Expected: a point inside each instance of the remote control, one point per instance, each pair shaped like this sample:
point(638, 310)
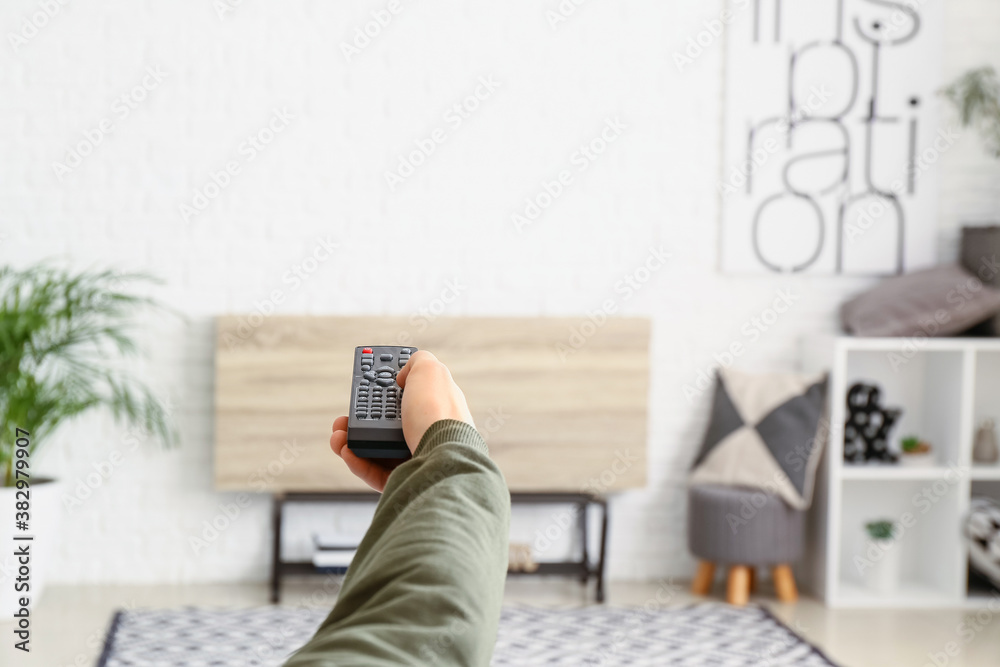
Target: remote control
point(374, 424)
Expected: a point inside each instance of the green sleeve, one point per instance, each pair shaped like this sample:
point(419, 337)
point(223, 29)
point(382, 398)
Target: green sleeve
point(426, 585)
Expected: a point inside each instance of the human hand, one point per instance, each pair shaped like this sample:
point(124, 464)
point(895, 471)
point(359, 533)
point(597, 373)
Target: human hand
point(430, 395)
point(373, 472)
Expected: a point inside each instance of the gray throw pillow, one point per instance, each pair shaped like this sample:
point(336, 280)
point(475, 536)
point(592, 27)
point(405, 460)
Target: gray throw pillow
point(979, 250)
point(766, 432)
point(941, 301)
point(979, 255)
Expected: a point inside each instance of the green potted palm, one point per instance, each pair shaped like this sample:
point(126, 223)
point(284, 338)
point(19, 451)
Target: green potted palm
point(65, 340)
point(976, 97)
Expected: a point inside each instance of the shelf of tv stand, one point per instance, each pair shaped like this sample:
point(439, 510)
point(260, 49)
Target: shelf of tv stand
point(582, 569)
point(549, 568)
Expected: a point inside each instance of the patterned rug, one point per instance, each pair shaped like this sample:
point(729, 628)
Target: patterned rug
point(703, 634)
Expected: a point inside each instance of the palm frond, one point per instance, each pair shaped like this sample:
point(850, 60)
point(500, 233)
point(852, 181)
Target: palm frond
point(62, 338)
point(976, 96)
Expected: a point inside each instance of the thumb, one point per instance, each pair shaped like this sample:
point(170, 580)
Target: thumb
point(415, 358)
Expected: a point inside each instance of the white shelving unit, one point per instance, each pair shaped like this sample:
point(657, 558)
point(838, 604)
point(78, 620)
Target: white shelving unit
point(946, 388)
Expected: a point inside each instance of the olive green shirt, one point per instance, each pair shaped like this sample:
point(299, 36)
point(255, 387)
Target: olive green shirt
point(426, 584)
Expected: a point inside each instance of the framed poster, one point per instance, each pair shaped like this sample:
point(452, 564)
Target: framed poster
point(831, 136)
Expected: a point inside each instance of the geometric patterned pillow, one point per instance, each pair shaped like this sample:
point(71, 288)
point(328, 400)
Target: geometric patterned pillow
point(767, 432)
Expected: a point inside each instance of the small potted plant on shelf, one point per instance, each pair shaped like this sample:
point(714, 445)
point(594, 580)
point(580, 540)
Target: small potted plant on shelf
point(916, 452)
point(63, 339)
point(881, 564)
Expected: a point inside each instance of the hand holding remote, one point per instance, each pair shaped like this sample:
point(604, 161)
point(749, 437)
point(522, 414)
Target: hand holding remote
point(431, 395)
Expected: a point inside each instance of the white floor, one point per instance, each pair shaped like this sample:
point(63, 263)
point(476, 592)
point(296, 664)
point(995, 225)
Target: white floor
point(69, 622)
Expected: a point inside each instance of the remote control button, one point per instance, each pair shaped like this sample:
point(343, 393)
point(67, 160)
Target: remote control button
point(366, 350)
point(365, 383)
point(404, 350)
point(385, 368)
point(385, 357)
point(376, 415)
point(359, 415)
point(366, 367)
point(385, 382)
point(402, 361)
point(383, 375)
point(369, 376)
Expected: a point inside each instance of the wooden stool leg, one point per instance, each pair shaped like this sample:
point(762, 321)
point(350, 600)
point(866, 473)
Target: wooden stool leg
point(738, 589)
point(784, 584)
point(703, 579)
point(753, 579)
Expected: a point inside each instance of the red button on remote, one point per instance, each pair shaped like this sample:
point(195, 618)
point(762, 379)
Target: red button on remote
point(367, 350)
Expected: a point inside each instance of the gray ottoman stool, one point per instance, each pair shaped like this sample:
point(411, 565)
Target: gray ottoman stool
point(743, 529)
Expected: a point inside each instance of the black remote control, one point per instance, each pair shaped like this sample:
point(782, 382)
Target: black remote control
point(375, 422)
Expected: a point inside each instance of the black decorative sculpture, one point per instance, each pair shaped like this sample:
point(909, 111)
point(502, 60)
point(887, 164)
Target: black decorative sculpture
point(866, 431)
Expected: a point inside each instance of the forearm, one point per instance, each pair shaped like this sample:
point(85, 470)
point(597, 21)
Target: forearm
point(426, 584)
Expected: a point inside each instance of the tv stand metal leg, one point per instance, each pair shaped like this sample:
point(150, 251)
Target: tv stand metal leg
point(584, 538)
point(603, 550)
point(276, 512)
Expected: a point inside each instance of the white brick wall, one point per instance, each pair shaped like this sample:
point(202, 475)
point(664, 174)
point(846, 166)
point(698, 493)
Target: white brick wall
point(324, 175)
